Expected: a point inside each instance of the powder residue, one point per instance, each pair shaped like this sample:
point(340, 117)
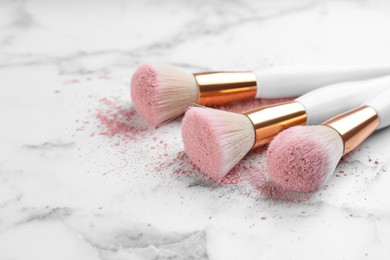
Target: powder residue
point(250, 175)
point(119, 121)
point(144, 93)
point(252, 170)
point(272, 191)
point(116, 119)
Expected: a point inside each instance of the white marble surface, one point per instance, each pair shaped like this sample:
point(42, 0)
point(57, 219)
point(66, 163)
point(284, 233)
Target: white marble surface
point(67, 192)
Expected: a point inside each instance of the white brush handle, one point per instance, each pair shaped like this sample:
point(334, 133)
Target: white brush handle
point(293, 81)
point(381, 103)
point(324, 103)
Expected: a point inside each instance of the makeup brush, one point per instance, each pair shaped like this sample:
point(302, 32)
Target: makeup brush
point(160, 93)
point(302, 157)
point(217, 140)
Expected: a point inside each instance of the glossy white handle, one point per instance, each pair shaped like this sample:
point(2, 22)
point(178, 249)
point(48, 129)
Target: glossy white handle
point(323, 103)
point(381, 103)
point(293, 81)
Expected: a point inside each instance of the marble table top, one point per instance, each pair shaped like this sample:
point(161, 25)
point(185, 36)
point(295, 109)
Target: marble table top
point(82, 177)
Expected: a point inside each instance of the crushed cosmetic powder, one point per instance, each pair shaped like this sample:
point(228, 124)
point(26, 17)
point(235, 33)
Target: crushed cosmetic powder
point(118, 120)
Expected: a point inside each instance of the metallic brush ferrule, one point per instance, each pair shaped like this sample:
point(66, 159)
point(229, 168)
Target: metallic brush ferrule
point(224, 87)
point(354, 126)
point(268, 121)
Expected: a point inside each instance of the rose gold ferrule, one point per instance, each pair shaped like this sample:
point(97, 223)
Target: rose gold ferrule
point(354, 126)
point(224, 87)
point(268, 121)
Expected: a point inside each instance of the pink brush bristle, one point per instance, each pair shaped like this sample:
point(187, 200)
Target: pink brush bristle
point(201, 144)
point(144, 85)
point(216, 140)
point(161, 93)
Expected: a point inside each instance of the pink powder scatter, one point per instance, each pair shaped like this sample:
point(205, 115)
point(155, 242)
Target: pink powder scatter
point(232, 177)
point(116, 119)
point(72, 81)
point(179, 165)
point(275, 193)
point(182, 165)
point(247, 170)
point(252, 170)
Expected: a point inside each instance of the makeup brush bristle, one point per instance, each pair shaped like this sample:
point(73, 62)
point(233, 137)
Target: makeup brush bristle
point(161, 93)
point(216, 140)
point(301, 157)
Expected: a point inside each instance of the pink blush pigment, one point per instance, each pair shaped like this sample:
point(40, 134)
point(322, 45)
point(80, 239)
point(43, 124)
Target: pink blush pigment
point(116, 119)
point(120, 123)
point(201, 143)
point(302, 161)
point(143, 85)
